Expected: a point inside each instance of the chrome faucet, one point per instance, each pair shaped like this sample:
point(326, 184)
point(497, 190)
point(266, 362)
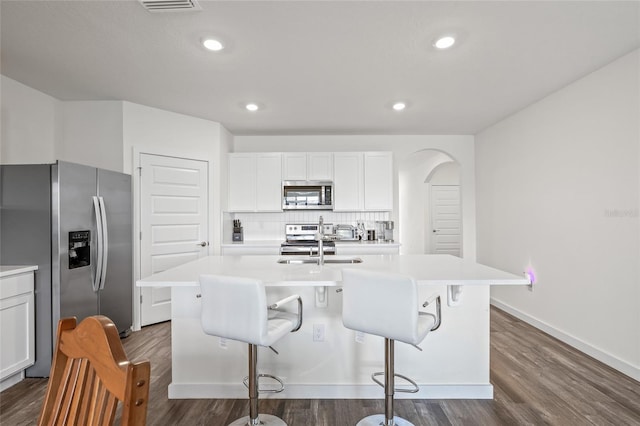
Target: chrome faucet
point(320, 238)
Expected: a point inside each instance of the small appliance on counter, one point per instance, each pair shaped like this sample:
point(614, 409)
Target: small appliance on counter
point(384, 230)
point(237, 230)
point(346, 232)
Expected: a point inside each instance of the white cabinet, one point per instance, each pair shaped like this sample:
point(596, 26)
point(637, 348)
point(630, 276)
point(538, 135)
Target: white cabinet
point(248, 248)
point(255, 182)
point(268, 182)
point(17, 329)
point(363, 181)
point(347, 181)
point(362, 249)
point(378, 181)
point(242, 182)
point(319, 166)
point(307, 166)
point(294, 166)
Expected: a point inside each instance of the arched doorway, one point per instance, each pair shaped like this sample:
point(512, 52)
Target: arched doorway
point(422, 175)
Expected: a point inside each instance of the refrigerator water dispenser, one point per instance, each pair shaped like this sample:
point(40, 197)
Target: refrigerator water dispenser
point(79, 249)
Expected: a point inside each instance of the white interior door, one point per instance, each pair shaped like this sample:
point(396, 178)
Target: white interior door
point(446, 229)
point(173, 223)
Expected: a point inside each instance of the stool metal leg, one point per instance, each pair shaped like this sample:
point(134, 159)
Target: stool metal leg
point(389, 383)
point(388, 419)
point(253, 385)
point(255, 419)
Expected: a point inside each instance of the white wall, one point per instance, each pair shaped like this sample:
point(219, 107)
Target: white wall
point(558, 187)
point(91, 134)
point(446, 174)
point(29, 124)
point(155, 131)
point(404, 147)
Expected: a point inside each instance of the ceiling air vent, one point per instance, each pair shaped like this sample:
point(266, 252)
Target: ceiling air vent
point(170, 5)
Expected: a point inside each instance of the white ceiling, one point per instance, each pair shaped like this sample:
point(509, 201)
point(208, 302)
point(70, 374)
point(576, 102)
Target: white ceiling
point(317, 67)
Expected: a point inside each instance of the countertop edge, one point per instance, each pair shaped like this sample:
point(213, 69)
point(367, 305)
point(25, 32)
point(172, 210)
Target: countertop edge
point(9, 270)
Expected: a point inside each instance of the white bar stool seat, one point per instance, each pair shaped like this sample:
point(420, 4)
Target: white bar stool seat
point(236, 308)
point(387, 305)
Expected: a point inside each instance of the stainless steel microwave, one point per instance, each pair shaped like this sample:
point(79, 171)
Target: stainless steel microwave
point(302, 194)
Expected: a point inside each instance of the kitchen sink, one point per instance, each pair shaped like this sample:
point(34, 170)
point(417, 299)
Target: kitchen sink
point(329, 260)
point(297, 261)
point(348, 260)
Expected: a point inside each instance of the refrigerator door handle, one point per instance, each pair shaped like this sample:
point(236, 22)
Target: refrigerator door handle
point(105, 242)
point(98, 273)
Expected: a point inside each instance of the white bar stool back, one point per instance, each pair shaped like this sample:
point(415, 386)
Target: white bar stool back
point(236, 308)
point(387, 305)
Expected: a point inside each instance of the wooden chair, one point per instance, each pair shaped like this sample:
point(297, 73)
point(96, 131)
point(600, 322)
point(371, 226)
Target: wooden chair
point(90, 374)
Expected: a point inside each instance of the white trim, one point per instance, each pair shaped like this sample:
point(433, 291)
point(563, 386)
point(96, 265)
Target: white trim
point(293, 391)
point(135, 174)
point(602, 356)
point(14, 379)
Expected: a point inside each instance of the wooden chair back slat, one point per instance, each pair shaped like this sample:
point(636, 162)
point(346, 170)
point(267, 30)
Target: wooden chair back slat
point(91, 375)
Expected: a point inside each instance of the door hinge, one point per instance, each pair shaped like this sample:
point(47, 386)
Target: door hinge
point(139, 171)
point(141, 299)
point(140, 235)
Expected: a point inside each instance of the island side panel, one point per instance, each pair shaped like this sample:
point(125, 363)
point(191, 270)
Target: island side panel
point(454, 362)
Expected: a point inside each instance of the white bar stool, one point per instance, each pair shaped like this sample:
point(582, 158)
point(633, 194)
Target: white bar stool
point(236, 308)
point(387, 305)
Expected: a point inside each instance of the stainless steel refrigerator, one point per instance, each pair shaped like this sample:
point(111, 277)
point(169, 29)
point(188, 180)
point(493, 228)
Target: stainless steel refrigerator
point(75, 223)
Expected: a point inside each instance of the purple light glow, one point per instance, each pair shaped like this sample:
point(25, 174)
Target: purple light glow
point(531, 274)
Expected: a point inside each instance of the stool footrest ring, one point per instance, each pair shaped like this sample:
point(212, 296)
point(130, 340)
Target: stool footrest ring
point(414, 384)
point(245, 382)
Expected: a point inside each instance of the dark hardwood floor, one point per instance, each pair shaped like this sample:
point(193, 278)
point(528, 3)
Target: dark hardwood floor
point(537, 379)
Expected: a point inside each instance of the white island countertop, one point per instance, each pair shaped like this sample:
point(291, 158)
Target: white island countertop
point(425, 269)
point(455, 363)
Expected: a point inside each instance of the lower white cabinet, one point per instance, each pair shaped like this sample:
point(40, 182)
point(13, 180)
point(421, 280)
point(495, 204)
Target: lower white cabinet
point(17, 328)
point(362, 249)
point(248, 249)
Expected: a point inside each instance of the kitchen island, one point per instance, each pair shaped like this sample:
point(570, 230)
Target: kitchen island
point(324, 359)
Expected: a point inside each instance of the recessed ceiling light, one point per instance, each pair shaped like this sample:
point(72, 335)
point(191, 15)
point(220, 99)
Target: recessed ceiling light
point(444, 42)
point(213, 44)
point(399, 106)
point(252, 107)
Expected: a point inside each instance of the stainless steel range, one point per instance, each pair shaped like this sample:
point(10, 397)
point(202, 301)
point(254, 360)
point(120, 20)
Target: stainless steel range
point(301, 239)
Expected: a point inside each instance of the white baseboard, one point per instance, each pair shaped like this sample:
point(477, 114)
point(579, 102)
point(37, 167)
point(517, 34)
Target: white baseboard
point(293, 391)
point(604, 357)
point(7, 382)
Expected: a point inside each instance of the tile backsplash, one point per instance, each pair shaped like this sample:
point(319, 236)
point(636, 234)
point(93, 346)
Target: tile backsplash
point(270, 226)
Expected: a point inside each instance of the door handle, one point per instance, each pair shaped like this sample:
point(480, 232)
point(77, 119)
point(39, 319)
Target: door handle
point(435, 230)
point(99, 258)
point(105, 242)
point(203, 244)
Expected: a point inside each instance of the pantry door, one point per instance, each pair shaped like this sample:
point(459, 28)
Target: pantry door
point(446, 220)
point(173, 224)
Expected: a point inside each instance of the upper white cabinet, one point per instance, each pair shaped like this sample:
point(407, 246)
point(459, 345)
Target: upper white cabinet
point(363, 181)
point(255, 182)
point(319, 166)
point(348, 181)
point(307, 166)
point(378, 181)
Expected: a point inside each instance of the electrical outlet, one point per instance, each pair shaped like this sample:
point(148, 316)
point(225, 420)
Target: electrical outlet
point(318, 332)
